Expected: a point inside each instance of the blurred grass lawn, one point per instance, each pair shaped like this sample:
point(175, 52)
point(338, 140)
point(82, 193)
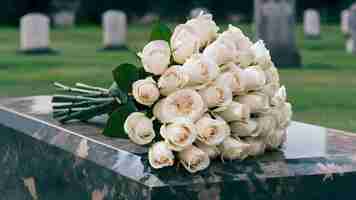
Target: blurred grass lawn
point(323, 92)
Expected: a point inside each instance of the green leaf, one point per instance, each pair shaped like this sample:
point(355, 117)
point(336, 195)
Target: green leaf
point(115, 124)
point(115, 91)
point(160, 32)
point(125, 75)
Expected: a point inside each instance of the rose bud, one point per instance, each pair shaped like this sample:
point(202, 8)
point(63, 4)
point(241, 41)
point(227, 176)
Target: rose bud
point(194, 159)
point(221, 51)
point(262, 55)
point(245, 58)
point(270, 89)
point(235, 112)
point(212, 131)
point(179, 134)
point(201, 69)
point(257, 146)
point(233, 149)
point(205, 28)
point(280, 97)
point(272, 75)
point(254, 78)
point(257, 102)
point(172, 80)
point(229, 80)
point(139, 128)
point(185, 103)
point(212, 151)
point(159, 155)
point(243, 129)
point(145, 91)
point(156, 56)
point(275, 139)
point(265, 125)
point(214, 95)
point(184, 43)
point(284, 116)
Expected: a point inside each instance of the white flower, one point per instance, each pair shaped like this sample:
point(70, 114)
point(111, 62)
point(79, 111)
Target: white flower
point(212, 151)
point(233, 149)
point(270, 89)
point(243, 129)
point(159, 155)
point(201, 69)
point(172, 80)
point(156, 57)
point(272, 75)
point(265, 125)
point(254, 78)
point(275, 139)
point(184, 43)
point(221, 51)
point(185, 103)
point(245, 58)
point(139, 128)
point(229, 80)
point(283, 115)
point(214, 95)
point(235, 112)
point(204, 27)
point(193, 159)
point(257, 102)
point(179, 134)
point(257, 146)
point(280, 97)
point(262, 55)
point(212, 131)
point(145, 91)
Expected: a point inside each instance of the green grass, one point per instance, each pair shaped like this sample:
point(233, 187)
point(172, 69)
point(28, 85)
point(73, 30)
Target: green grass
point(323, 92)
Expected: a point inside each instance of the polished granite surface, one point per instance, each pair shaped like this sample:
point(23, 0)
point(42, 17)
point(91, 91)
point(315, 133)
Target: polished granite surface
point(311, 154)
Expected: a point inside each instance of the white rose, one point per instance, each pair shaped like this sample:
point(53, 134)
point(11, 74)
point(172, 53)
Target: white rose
point(221, 51)
point(245, 58)
point(257, 102)
point(194, 159)
point(156, 56)
point(212, 151)
point(243, 129)
point(145, 91)
point(184, 43)
point(283, 115)
point(235, 112)
point(214, 95)
point(201, 69)
point(233, 149)
point(262, 55)
point(173, 79)
point(265, 125)
point(205, 28)
point(139, 128)
point(270, 89)
point(254, 78)
point(185, 103)
point(229, 80)
point(212, 131)
point(280, 97)
point(257, 146)
point(159, 155)
point(275, 139)
point(272, 75)
point(179, 134)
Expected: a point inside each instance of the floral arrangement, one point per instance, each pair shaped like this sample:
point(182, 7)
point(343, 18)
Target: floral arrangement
point(198, 96)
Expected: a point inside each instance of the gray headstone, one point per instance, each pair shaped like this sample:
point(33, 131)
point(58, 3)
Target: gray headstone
point(275, 24)
point(350, 45)
point(114, 29)
point(344, 21)
point(311, 23)
point(64, 19)
point(34, 33)
point(352, 28)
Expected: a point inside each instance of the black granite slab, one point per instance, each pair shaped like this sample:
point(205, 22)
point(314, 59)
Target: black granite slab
point(41, 159)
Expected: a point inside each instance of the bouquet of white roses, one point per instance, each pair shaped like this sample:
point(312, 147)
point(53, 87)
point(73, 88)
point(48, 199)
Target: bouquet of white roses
point(199, 95)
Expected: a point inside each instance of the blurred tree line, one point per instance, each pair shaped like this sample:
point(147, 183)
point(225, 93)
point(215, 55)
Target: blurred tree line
point(89, 11)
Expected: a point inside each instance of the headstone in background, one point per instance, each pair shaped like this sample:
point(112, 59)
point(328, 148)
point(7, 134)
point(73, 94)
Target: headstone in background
point(114, 30)
point(311, 23)
point(64, 19)
point(352, 28)
point(344, 21)
point(197, 11)
point(34, 34)
point(275, 24)
point(349, 45)
point(149, 18)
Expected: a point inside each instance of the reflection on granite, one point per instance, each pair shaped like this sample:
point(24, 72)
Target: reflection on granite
point(41, 159)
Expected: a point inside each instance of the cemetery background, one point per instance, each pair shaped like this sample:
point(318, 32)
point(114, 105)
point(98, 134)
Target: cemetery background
point(322, 92)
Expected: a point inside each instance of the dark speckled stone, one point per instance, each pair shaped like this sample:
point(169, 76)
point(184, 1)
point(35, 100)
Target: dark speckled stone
point(41, 159)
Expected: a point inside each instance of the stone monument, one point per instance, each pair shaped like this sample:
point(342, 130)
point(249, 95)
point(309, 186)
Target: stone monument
point(312, 24)
point(275, 24)
point(114, 30)
point(64, 19)
point(344, 21)
point(34, 34)
point(352, 28)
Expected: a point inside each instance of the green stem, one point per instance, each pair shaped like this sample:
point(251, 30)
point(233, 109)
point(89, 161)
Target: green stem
point(85, 86)
point(75, 99)
point(76, 105)
point(78, 90)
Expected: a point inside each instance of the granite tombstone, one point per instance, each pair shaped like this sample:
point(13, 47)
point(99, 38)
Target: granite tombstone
point(345, 21)
point(352, 28)
point(114, 30)
point(35, 34)
point(275, 24)
point(311, 24)
point(64, 19)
